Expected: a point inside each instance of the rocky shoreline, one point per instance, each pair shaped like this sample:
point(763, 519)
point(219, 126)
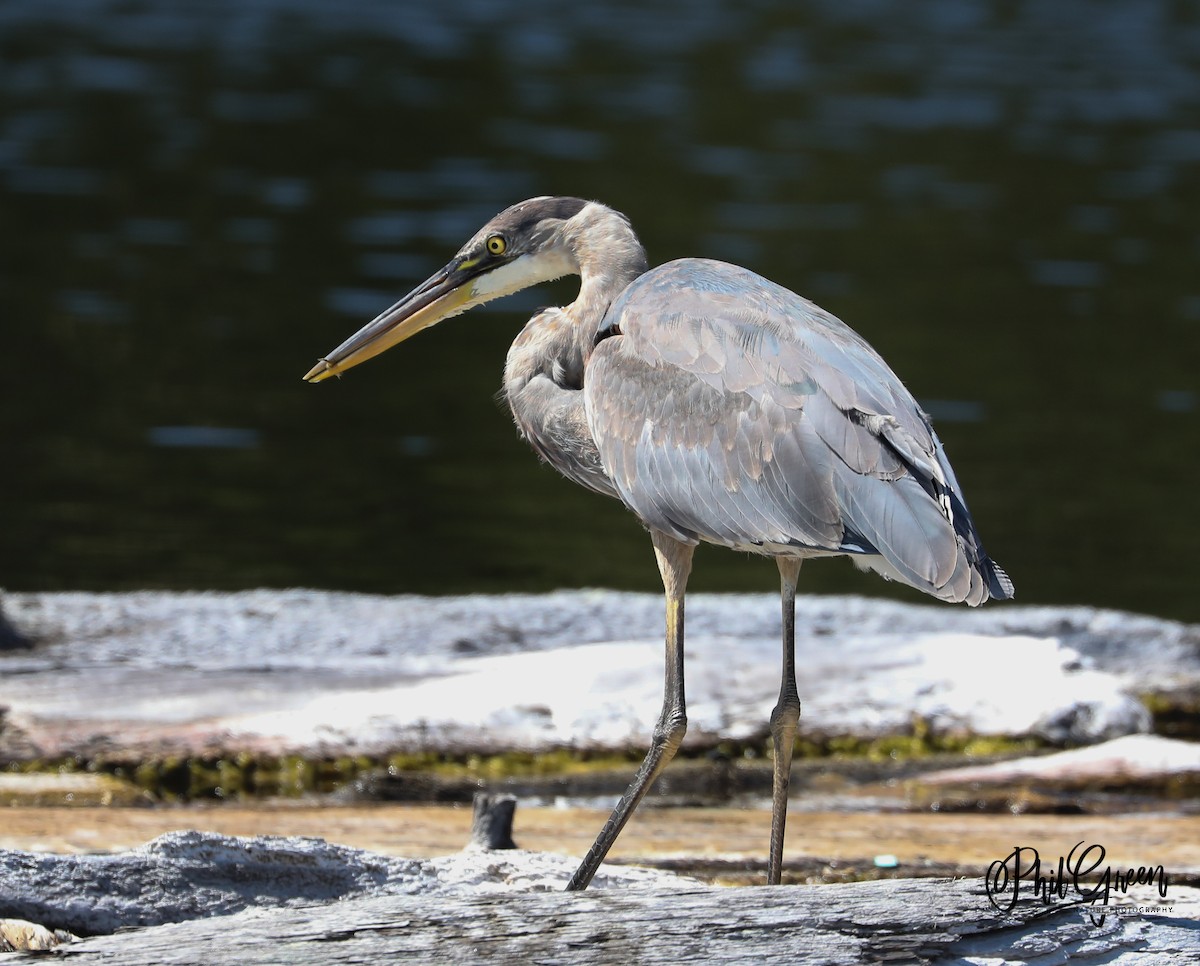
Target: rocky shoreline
point(325, 675)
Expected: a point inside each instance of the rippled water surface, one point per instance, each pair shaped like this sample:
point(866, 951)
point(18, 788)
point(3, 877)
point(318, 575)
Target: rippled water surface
point(199, 199)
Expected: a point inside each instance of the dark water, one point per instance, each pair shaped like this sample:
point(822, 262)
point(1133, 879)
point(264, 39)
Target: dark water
point(199, 199)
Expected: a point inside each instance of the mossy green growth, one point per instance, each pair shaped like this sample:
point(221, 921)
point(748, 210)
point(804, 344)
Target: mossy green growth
point(922, 741)
point(557, 761)
point(43, 766)
point(55, 789)
point(1174, 715)
point(249, 776)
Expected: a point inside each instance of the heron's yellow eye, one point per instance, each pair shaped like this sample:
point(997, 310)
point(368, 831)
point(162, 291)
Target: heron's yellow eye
point(496, 245)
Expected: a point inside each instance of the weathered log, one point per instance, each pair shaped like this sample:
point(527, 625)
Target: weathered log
point(492, 821)
point(208, 898)
point(909, 921)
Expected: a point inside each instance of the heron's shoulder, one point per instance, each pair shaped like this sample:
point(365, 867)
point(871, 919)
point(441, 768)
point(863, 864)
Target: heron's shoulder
point(723, 297)
point(702, 275)
point(697, 303)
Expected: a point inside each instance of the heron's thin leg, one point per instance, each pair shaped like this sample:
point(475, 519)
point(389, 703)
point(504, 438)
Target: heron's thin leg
point(675, 564)
point(784, 718)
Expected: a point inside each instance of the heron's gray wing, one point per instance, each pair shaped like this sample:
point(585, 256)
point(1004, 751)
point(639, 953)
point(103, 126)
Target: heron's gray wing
point(731, 410)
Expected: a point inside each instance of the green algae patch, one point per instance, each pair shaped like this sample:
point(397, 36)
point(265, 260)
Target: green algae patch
point(440, 776)
point(921, 740)
point(56, 789)
point(513, 764)
point(1174, 715)
point(918, 746)
point(248, 776)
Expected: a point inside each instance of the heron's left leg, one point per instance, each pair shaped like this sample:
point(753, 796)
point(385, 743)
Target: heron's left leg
point(785, 718)
point(675, 564)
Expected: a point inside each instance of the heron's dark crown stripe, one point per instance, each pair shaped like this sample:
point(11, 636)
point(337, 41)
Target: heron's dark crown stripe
point(562, 208)
point(520, 219)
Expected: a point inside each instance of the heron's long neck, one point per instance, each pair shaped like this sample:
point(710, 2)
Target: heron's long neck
point(609, 257)
point(546, 367)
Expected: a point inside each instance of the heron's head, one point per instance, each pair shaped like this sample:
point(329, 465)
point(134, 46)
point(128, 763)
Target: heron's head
point(530, 242)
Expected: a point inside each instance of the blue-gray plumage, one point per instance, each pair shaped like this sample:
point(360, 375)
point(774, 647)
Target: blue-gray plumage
point(734, 411)
point(718, 407)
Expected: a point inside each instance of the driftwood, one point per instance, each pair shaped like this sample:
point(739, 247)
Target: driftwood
point(909, 921)
point(194, 897)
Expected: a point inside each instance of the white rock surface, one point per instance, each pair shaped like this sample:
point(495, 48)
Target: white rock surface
point(304, 670)
point(1131, 758)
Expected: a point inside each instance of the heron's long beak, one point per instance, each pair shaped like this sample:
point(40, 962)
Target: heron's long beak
point(447, 293)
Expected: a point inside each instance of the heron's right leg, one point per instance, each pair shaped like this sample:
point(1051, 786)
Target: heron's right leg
point(785, 718)
point(675, 564)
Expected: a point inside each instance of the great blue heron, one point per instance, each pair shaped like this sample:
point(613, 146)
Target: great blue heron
point(717, 406)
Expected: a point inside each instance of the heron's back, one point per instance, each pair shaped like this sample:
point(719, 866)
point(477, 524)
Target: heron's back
point(731, 410)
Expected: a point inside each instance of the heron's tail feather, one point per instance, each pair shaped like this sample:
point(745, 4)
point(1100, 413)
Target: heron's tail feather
point(1000, 585)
